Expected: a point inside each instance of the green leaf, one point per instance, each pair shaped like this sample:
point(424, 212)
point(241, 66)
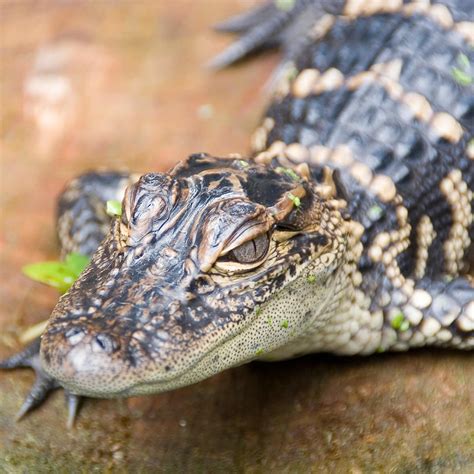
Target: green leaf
point(76, 262)
point(284, 324)
point(55, 274)
point(290, 71)
point(59, 275)
point(311, 278)
point(114, 208)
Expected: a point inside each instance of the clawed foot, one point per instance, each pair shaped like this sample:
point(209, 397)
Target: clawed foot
point(43, 384)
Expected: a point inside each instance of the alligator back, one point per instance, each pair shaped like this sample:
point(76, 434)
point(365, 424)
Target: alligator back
point(381, 99)
point(384, 95)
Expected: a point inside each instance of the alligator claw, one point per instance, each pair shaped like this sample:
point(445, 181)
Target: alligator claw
point(243, 22)
point(274, 24)
point(24, 358)
point(73, 404)
point(43, 384)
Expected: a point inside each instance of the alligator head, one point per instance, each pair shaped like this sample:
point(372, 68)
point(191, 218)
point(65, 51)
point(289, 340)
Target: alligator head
point(214, 264)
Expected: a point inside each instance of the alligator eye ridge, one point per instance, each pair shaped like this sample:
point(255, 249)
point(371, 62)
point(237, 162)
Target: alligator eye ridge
point(105, 343)
point(75, 335)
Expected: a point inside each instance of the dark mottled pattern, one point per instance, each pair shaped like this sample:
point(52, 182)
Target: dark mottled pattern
point(262, 186)
point(381, 131)
point(428, 52)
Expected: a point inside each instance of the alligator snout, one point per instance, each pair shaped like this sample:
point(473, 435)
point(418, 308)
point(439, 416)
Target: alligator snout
point(81, 358)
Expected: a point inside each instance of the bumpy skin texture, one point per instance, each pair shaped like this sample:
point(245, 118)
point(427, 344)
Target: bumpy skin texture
point(379, 123)
point(349, 229)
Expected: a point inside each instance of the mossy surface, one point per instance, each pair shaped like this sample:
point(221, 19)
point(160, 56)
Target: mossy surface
point(389, 413)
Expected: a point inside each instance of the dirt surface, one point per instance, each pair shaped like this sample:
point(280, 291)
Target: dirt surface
point(121, 84)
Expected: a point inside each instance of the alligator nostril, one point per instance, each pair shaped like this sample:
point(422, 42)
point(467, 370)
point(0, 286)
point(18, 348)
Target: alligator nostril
point(75, 335)
point(105, 343)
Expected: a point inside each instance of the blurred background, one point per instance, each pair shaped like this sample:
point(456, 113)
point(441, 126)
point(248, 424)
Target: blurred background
point(121, 84)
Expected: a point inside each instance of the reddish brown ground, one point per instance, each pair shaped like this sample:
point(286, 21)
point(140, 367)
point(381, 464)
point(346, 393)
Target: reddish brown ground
point(121, 84)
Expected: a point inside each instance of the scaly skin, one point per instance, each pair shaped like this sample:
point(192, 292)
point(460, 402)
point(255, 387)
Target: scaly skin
point(348, 230)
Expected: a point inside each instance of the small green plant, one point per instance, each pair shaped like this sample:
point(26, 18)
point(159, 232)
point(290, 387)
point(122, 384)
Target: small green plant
point(470, 144)
point(291, 71)
point(59, 275)
point(114, 208)
point(375, 213)
point(294, 199)
point(288, 171)
point(399, 322)
point(462, 73)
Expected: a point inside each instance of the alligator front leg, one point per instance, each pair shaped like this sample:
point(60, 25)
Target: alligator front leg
point(43, 384)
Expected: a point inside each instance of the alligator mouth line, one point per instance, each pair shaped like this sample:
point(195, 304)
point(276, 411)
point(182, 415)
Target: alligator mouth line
point(164, 380)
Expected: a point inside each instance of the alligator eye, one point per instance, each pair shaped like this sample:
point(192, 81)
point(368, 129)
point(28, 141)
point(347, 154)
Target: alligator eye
point(251, 251)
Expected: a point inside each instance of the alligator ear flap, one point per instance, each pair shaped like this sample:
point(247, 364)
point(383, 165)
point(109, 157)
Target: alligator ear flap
point(298, 210)
point(333, 191)
point(288, 201)
point(332, 186)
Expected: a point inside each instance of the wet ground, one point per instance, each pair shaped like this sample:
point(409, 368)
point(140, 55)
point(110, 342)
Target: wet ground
point(121, 84)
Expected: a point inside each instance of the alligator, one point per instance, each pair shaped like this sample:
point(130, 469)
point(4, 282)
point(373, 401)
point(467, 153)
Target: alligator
point(348, 229)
